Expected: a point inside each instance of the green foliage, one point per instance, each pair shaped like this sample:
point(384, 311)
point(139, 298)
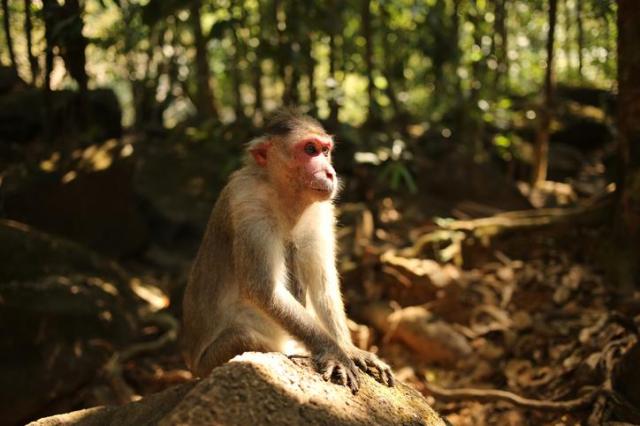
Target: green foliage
point(441, 62)
point(396, 173)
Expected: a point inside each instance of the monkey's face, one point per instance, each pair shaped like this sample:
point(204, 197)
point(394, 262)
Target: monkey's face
point(312, 159)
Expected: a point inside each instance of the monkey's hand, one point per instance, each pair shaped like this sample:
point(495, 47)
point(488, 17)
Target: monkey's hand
point(372, 365)
point(334, 363)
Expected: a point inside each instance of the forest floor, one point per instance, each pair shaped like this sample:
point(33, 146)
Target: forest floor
point(528, 332)
point(505, 320)
point(504, 313)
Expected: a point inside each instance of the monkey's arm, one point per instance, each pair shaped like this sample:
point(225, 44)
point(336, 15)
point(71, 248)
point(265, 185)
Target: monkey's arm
point(321, 278)
point(261, 267)
point(324, 287)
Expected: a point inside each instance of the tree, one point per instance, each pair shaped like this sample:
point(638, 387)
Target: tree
point(6, 22)
point(63, 29)
point(368, 57)
point(204, 98)
point(256, 65)
point(333, 23)
point(541, 151)
point(628, 186)
point(501, 43)
point(579, 12)
point(33, 62)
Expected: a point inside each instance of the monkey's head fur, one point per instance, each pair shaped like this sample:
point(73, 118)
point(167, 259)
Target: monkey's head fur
point(295, 155)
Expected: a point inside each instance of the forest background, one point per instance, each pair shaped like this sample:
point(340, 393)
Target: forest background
point(489, 224)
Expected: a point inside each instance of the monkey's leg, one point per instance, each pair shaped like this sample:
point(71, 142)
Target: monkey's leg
point(231, 342)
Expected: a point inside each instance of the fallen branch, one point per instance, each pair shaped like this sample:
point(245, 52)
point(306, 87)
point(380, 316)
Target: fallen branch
point(493, 395)
point(522, 219)
point(113, 368)
point(448, 238)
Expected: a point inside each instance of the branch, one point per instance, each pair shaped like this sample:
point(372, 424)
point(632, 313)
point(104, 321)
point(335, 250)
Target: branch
point(493, 395)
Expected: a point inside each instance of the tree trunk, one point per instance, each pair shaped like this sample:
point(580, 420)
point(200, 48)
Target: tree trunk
point(368, 56)
point(6, 21)
point(628, 186)
point(502, 45)
point(292, 96)
point(257, 63)
point(541, 152)
point(475, 125)
point(205, 100)
point(236, 77)
point(579, 12)
point(283, 57)
point(334, 108)
point(33, 62)
point(73, 47)
point(311, 70)
point(48, 18)
point(390, 89)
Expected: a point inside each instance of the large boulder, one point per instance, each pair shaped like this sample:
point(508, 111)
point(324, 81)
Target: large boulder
point(89, 199)
point(22, 114)
point(63, 309)
point(265, 389)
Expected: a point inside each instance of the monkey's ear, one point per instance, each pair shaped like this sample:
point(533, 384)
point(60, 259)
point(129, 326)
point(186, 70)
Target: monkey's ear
point(259, 152)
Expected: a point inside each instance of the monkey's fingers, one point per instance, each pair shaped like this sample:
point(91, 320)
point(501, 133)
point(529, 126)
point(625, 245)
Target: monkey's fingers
point(341, 375)
point(361, 363)
point(388, 376)
point(327, 370)
point(354, 383)
point(382, 371)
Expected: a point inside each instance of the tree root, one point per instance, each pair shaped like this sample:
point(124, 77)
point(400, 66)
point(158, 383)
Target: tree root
point(493, 395)
point(448, 238)
point(113, 368)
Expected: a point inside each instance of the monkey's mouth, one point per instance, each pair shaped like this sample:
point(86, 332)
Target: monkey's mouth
point(325, 187)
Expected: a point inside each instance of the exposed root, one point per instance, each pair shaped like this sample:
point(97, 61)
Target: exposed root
point(493, 395)
point(113, 368)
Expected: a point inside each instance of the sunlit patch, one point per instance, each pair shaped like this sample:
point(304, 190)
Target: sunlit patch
point(366, 158)
point(51, 163)
point(69, 176)
point(98, 157)
point(153, 295)
point(126, 151)
point(106, 316)
point(389, 213)
point(417, 130)
point(105, 286)
point(530, 114)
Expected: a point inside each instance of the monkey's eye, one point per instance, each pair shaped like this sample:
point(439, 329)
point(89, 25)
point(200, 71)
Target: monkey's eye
point(325, 150)
point(310, 149)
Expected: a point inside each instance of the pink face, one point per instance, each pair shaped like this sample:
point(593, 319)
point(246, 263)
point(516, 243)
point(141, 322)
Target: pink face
point(312, 156)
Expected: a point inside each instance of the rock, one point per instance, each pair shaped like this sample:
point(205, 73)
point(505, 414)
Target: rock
point(62, 311)
point(433, 339)
point(258, 388)
point(9, 80)
point(456, 178)
point(90, 200)
point(588, 96)
point(22, 112)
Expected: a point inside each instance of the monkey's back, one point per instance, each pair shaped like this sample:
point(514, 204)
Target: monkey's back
point(210, 283)
point(211, 301)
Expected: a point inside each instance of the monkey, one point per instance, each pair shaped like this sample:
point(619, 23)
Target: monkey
point(265, 271)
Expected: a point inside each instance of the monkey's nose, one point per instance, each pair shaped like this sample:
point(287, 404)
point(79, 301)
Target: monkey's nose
point(330, 175)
